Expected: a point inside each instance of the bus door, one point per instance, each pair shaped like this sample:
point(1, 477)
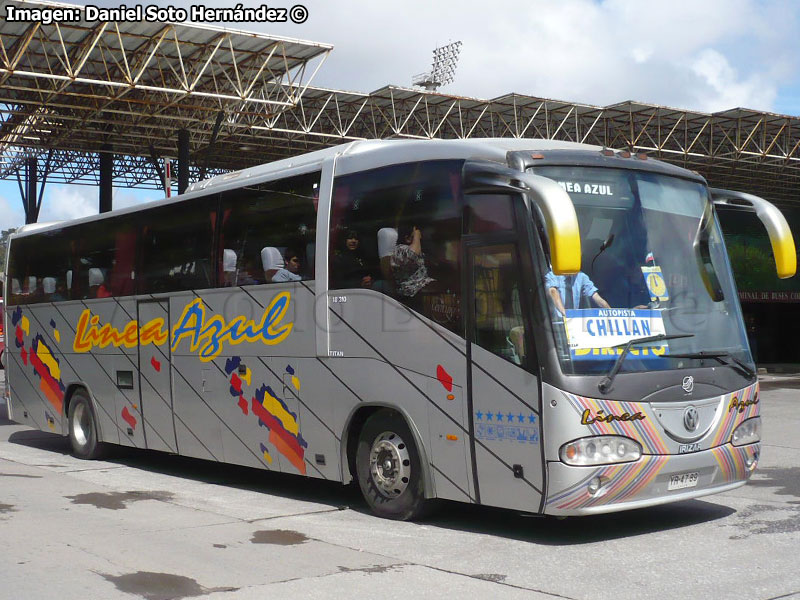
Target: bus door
point(503, 392)
point(155, 379)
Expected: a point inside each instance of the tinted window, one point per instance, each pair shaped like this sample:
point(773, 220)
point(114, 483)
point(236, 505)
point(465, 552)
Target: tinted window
point(177, 246)
point(268, 232)
point(489, 212)
point(499, 322)
point(103, 256)
point(382, 209)
point(40, 268)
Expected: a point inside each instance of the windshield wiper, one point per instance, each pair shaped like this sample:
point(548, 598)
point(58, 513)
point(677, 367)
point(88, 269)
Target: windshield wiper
point(605, 383)
point(723, 357)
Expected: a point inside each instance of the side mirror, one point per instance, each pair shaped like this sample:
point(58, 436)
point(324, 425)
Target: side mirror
point(780, 236)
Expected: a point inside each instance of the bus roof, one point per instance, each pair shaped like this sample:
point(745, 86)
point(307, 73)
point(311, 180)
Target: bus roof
point(351, 157)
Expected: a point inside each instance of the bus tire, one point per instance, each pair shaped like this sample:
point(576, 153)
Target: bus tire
point(389, 469)
point(83, 428)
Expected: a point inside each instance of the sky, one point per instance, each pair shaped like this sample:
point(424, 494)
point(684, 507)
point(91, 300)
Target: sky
point(702, 55)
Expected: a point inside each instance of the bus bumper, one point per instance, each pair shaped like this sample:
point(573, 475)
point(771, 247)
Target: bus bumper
point(653, 479)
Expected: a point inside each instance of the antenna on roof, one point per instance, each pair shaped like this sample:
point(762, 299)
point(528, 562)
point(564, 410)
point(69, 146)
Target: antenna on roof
point(443, 70)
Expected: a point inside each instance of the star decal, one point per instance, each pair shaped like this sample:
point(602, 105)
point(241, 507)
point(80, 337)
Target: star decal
point(499, 416)
point(489, 416)
point(510, 417)
point(479, 415)
point(532, 418)
point(521, 418)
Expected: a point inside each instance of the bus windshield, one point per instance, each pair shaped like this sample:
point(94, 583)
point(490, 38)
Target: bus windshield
point(653, 263)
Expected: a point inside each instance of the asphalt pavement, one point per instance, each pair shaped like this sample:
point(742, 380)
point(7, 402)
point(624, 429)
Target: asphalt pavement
point(148, 525)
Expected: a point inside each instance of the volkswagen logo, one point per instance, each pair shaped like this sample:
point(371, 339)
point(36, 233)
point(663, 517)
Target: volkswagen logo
point(691, 418)
point(688, 384)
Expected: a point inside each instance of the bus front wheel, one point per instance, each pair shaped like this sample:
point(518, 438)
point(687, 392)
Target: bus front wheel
point(83, 428)
point(388, 467)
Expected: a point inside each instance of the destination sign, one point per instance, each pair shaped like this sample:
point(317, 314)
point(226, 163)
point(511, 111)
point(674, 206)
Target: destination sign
point(593, 333)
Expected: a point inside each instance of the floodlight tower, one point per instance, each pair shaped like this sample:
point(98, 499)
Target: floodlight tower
point(443, 70)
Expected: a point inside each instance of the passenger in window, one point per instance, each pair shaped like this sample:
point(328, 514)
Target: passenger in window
point(62, 293)
point(97, 286)
point(228, 267)
point(271, 261)
point(51, 294)
point(291, 272)
point(250, 273)
point(387, 240)
point(516, 339)
point(408, 263)
point(349, 266)
point(567, 291)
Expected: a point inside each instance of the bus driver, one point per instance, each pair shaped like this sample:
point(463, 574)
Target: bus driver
point(579, 286)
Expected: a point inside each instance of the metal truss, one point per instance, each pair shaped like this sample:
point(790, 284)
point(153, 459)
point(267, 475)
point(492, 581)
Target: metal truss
point(80, 89)
point(742, 149)
point(127, 88)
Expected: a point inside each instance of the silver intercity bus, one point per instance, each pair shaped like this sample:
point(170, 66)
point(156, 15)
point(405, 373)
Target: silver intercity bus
point(543, 326)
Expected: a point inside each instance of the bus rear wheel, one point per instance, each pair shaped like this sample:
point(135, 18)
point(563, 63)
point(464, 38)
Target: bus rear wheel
point(389, 469)
point(83, 428)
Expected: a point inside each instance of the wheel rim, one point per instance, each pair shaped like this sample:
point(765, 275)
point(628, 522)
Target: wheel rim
point(390, 464)
point(81, 424)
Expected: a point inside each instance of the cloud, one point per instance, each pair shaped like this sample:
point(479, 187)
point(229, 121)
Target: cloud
point(65, 202)
point(593, 51)
point(724, 88)
point(574, 50)
point(125, 197)
point(707, 55)
point(11, 213)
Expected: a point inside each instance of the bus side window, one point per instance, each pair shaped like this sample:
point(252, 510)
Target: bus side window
point(488, 213)
point(372, 212)
point(39, 267)
point(499, 326)
point(265, 223)
point(177, 247)
point(103, 254)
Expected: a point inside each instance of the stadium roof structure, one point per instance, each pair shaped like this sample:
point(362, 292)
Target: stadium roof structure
point(72, 89)
point(741, 149)
point(71, 92)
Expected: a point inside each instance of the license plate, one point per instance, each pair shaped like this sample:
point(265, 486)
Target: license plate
point(684, 480)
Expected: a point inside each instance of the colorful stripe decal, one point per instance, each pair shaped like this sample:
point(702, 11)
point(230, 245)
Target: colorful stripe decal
point(732, 460)
point(643, 431)
point(283, 425)
point(739, 406)
point(623, 482)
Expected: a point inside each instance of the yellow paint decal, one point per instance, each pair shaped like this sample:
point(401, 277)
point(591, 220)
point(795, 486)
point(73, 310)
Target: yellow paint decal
point(46, 356)
point(208, 336)
point(280, 412)
point(90, 334)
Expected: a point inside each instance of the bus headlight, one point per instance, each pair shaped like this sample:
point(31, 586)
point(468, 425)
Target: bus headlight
point(600, 450)
point(748, 432)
